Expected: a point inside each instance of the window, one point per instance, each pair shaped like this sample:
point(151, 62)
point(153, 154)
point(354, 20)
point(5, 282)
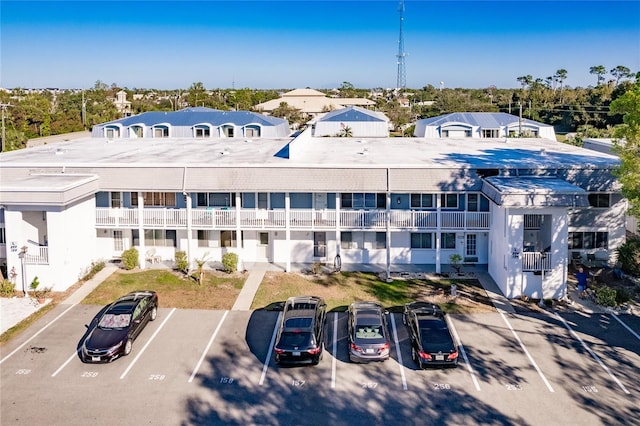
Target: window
point(490, 133)
point(449, 201)
point(472, 245)
point(421, 240)
point(472, 202)
point(346, 241)
point(156, 199)
point(252, 131)
point(3, 237)
point(112, 132)
point(202, 132)
point(204, 236)
point(599, 200)
point(116, 200)
point(448, 240)
point(228, 239)
point(367, 200)
point(381, 240)
point(227, 131)
point(422, 201)
point(157, 237)
point(588, 240)
point(161, 132)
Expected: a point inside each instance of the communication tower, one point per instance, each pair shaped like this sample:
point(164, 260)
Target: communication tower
point(401, 81)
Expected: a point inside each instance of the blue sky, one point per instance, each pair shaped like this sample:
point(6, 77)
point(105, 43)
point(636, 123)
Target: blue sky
point(318, 44)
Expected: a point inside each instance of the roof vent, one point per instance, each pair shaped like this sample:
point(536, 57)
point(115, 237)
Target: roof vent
point(59, 151)
point(543, 151)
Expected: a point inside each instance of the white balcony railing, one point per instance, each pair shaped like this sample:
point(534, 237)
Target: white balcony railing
point(298, 219)
point(37, 255)
point(536, 261)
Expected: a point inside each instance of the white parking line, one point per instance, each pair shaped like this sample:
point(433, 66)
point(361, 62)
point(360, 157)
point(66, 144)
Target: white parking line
point(206, 349)
point(626, 326)
point(147, 344)
point(34, 336)
point(73, 355)
point(544, 379)
point(395, 337)
point(334, 361)
point(266, 361)
point(464, 355)
point(598, 360)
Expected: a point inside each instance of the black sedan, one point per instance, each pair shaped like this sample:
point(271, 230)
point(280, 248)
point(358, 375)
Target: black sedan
point(112, 334)
point(431, 341)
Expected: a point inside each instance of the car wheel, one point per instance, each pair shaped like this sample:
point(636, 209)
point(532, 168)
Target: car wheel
point(154, 313)
point(127, 347)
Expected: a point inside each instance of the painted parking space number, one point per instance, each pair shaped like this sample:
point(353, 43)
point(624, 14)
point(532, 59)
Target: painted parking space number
point(369, 385)
point(297, 383)
point(226, 380)
point(90, 374)
point(514, 387)
point(156, 376)
point(23, 372)
point(590, 389)
point(441, 386)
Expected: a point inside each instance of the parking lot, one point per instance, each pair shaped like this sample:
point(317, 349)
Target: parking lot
point(207, 367)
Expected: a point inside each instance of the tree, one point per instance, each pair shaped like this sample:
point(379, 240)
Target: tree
point(600, 71)
point(627, 146)
point(525, 81)
point(620, 72)
point(560, 76)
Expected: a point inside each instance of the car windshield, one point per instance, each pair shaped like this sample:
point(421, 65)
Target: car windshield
point(115, 321)
point(294, 339)
point(368, 332)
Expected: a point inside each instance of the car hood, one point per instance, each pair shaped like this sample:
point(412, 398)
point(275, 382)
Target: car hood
point(105, 338)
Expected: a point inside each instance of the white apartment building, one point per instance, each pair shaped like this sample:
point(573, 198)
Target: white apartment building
point(519, 207)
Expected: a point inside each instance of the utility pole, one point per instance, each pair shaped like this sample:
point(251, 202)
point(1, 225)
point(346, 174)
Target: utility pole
point(84, 112)
point(4, 108)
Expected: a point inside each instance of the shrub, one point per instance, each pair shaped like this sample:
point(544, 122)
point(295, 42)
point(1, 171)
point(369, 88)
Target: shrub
point(629, 256)
point(7, 288)
point(93, 270)
point(130, 258)
point(622, 296)
point(455, 260)
point(182, 263)
point(606, 296)
point(230, 262)
point(316, 268)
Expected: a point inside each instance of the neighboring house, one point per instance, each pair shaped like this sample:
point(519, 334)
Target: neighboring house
point(481, 125)
point(359, 122)
point(311, 102)
point(122, 104)
point(606, 145)
point(516, 207)
point(197, 122)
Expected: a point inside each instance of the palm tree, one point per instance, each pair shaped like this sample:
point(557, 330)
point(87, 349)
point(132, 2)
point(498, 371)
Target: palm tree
point(600, 71)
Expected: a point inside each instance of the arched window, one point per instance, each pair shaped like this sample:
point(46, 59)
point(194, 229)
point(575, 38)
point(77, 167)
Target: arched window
point(112, 132)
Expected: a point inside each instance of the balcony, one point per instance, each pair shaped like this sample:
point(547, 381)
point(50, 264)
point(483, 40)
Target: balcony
point(302, 219)
point(536, 261)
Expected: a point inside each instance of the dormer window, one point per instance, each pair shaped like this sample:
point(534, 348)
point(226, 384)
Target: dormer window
point(252, 131)
point(161, 132)
point(202, 131)
point(112, 132)
point(136, 131)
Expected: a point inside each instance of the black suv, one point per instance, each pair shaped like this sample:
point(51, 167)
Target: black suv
point(431, 340)
point(300, 337)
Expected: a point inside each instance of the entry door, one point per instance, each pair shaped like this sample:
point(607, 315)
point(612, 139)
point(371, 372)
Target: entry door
point(320, 244)
point(472, 245)
point(118, 242)
point(262, 251)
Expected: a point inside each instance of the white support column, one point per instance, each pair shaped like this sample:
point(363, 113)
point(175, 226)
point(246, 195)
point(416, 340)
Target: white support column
point(239, 242)
point(187, 200)
point(338, 237)
point(388, 235)
point(287, 231)
point(142, 253)
point(439, 221)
